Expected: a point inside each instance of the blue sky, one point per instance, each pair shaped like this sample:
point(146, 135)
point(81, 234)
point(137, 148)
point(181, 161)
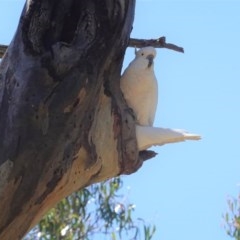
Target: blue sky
point(184, 190)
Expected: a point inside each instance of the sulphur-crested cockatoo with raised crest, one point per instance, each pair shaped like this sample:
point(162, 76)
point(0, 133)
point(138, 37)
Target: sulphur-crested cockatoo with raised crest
point(140, 90)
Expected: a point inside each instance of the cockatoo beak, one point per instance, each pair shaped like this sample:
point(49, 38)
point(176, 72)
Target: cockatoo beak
point(150, 58)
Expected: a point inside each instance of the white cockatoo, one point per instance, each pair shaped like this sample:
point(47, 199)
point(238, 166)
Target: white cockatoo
point(139, 86)
point(140, 90)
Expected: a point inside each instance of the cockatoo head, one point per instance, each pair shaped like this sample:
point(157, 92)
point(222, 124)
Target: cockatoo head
point(148, 53)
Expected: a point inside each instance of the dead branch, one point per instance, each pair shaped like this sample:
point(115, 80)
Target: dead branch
point(157, 43)
point(134, 42)
point(3, 49)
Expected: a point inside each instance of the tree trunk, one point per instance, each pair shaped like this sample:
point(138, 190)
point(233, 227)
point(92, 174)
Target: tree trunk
point(63, 121)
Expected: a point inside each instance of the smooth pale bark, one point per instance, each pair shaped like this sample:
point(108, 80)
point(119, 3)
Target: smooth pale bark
point(63, 121)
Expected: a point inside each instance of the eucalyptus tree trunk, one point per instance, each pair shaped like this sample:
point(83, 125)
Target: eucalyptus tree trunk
point(63, 121)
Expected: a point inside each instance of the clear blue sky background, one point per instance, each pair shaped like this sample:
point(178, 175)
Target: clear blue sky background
point(185, 188)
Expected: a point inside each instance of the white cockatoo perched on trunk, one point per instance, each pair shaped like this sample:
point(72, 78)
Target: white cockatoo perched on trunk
point(140, 89)
point(139, 86)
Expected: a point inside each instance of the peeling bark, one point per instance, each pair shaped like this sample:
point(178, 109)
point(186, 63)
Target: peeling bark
point(63, 121)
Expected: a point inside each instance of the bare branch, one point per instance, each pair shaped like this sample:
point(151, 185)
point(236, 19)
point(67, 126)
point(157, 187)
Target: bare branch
point(3, 49)
point(134, 42)
point(157, 43)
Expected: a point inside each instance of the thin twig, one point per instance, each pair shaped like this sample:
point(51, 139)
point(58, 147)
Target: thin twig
point(157, 43)
point(139, 43)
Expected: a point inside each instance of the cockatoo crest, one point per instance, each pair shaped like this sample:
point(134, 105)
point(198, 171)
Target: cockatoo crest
point(145, 51)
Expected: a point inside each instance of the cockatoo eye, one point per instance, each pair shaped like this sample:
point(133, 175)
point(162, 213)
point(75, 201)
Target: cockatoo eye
point(142, 54)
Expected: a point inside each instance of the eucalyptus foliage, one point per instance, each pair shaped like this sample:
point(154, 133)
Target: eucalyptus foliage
point(232, 218)
point(96, 212)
